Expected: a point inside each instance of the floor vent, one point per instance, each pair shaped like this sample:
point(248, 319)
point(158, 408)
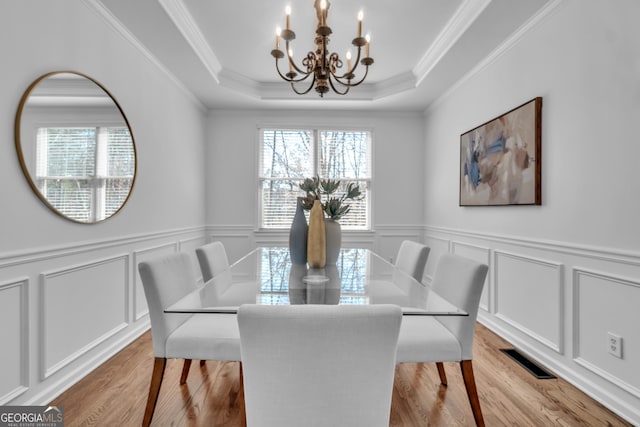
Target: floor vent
point(534, 369)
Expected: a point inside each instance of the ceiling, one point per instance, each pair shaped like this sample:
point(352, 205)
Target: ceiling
point(219, 51)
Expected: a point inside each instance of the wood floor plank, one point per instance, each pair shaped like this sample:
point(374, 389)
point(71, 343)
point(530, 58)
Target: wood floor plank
point(115, 394)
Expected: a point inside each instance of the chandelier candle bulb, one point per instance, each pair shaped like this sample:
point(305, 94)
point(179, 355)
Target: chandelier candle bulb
point(360, 16)
point(278, 32)
point(348, 61)
point(287, 11)
point(323, 13)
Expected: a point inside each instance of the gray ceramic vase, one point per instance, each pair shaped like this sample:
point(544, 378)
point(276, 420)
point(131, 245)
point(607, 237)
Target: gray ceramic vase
point(333, 232)
point(298, 236)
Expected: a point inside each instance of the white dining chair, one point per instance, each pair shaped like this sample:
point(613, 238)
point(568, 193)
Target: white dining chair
point(318, 365)
point(448, 338)
point(412, 258)
point(213, 260)
point(410, 263)
point(209, 336)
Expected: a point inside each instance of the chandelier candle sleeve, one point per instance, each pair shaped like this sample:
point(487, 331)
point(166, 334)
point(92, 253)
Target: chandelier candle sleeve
point(287, 11)
point(360, 16)
point(368, 38)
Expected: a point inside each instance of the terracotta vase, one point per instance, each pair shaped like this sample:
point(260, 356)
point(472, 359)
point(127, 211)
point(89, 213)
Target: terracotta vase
point(333, 231)
point(298, 236)
point(316, 239)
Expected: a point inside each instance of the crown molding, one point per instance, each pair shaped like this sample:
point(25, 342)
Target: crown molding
point(183, 20)
point(102, 11)
point(499, 51)
point(395, 84)
point(282, 91)
point(461, 20)
point(239, 83)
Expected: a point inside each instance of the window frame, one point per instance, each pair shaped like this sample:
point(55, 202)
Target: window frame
point(97, 182)
point(316, 131)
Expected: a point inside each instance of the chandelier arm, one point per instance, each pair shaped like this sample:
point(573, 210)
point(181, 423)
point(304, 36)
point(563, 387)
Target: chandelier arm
point(336, 89)
point(349, 84)
point(290, 80)
point(306, 91)
point(293, 63)
point(355, 67)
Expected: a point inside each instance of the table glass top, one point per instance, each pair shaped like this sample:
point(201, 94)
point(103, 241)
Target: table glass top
point(267, 276)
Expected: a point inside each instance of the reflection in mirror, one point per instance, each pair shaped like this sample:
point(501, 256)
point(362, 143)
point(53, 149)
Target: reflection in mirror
point(75, 146)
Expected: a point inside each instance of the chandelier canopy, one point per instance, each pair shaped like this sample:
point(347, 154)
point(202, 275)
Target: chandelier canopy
point(324, 68)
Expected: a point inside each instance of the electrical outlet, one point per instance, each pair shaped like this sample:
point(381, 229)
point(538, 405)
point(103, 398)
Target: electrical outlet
point(615, 345)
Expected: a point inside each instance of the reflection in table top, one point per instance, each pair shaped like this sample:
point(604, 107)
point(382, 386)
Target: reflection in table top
point(267, 276)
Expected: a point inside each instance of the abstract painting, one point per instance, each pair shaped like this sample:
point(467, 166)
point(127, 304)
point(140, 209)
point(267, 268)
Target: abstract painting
point(500, 160)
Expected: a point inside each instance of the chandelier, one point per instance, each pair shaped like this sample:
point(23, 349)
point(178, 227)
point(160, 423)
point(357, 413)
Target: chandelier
point(324, 68)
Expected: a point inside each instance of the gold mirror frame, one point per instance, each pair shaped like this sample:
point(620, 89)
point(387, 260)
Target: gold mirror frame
point(21, 156)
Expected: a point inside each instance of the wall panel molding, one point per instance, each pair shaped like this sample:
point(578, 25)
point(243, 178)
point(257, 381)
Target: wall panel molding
point(583, 251)
point(522, 309)
point(14, 313)
point(49, 253)
point(590, 289)
point(72, 307)
point(81, 290)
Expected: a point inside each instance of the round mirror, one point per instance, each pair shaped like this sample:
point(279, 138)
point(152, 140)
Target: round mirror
point(75, 146)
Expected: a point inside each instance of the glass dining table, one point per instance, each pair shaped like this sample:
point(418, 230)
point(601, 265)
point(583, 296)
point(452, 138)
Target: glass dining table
point(267, 276)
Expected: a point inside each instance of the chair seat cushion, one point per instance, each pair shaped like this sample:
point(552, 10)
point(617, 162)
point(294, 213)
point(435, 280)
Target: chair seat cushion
point(424, 339)
point(206, 336)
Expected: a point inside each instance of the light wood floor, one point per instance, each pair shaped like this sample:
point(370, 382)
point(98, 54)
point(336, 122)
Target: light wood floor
point(115, 394)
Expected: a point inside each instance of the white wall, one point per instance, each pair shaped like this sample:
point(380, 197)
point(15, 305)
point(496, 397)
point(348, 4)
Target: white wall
point(232, 174)
point(565, 273)
point(70, 295)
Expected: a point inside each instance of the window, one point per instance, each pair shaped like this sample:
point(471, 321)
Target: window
point(85, 172)
point(288, 156)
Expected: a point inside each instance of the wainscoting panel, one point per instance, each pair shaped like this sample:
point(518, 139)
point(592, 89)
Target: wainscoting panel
point(139, 300)
point(525, 284)
point(556, 302)
point(65, 310)
point(480, 254)
point(596, 315)
point(81, 307)
point(14, 338)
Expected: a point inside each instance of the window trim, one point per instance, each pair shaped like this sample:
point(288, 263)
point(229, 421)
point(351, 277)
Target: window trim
point(316, 129)
point(97, 182)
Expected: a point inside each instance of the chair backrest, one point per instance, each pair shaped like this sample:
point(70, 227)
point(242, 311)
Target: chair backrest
point(166, 279)
point(213, 260)
point(412, 258)
point(460, 281)
point(318, 365)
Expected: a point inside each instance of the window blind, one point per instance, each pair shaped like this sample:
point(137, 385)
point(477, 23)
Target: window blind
point(288, 156)
point(84, 172)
